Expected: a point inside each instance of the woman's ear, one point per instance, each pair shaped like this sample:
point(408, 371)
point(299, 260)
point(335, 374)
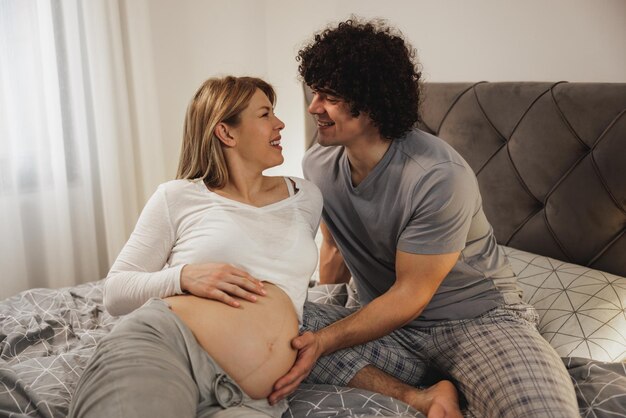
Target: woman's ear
point(222, 132)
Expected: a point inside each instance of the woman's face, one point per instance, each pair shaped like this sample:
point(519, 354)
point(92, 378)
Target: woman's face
point(258, 133)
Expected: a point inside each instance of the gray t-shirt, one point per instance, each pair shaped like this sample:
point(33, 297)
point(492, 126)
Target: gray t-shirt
point(422, 198)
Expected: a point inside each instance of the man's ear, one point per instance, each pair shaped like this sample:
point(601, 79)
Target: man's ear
point(222, 132)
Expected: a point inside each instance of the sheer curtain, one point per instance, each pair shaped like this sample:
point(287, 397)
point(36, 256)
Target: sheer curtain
point(69, 185)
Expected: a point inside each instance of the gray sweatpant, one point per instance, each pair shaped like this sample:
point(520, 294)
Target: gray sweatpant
point(498, 360)
point(151, 365)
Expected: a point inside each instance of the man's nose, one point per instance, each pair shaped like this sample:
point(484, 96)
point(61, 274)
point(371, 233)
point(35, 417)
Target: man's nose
point(315, 105)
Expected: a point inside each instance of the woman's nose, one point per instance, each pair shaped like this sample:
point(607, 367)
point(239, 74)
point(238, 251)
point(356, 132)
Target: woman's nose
point(281, 124)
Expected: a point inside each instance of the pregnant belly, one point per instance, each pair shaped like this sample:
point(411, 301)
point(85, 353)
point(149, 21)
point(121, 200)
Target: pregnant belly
point(251, 343)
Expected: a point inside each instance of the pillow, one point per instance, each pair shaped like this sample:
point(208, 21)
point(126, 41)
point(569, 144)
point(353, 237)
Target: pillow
point(329, 294)
point(582, 311)
point(343, 294)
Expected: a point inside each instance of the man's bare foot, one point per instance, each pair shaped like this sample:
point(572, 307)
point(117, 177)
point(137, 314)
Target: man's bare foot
point(438, 401)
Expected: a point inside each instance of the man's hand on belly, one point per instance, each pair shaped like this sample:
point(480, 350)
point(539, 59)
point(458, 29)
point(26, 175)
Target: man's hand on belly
point(310, 348)
point(222, 282)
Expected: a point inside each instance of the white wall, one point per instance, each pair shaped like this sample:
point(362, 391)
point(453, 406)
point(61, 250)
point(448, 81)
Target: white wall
point(457, 40)
point(174, 45)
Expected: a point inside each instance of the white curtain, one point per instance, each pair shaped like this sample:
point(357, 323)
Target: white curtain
point(69, 186)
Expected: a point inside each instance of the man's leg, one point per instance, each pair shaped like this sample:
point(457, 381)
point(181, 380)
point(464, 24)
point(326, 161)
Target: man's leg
point(362, 367)
point(437, 401)
point(340, 367)
point(503, 366)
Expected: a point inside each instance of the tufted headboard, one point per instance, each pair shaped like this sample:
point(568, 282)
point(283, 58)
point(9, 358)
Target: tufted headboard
point(550, 160)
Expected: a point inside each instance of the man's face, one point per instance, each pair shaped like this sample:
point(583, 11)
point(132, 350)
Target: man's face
point(335, 123)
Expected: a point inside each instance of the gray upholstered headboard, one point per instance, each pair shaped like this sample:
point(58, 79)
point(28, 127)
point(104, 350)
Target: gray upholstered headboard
point(550, 160)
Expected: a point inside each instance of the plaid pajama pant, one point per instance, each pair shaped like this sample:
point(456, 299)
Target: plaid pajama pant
point(499, 361)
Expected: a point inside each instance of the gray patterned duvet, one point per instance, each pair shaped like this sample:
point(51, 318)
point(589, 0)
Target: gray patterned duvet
point(47, 336)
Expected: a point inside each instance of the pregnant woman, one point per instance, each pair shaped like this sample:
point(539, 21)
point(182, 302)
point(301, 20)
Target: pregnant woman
point(214, 276)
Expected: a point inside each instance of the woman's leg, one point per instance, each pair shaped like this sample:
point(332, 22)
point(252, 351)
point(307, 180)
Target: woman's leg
point(236, 412)
point(141, 369)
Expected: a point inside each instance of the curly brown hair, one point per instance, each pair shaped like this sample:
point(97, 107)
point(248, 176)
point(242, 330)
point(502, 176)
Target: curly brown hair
point(372, 67)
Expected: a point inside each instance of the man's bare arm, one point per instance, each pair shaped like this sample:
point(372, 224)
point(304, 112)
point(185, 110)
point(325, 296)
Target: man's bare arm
point(417, 279)
point(332, 266)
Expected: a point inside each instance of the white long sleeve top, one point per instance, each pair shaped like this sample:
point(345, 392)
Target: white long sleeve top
point(186, 223)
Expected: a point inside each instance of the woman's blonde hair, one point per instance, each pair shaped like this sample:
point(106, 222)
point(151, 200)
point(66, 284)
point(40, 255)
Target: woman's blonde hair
point(217, 100)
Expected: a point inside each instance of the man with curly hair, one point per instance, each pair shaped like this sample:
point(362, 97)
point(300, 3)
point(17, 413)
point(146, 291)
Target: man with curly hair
point(403, 217)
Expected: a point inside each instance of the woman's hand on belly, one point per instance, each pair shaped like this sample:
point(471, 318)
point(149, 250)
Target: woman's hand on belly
point(252, 343)
point(221, 282)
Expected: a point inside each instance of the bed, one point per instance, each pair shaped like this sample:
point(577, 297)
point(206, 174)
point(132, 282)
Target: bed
point(551, 163)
